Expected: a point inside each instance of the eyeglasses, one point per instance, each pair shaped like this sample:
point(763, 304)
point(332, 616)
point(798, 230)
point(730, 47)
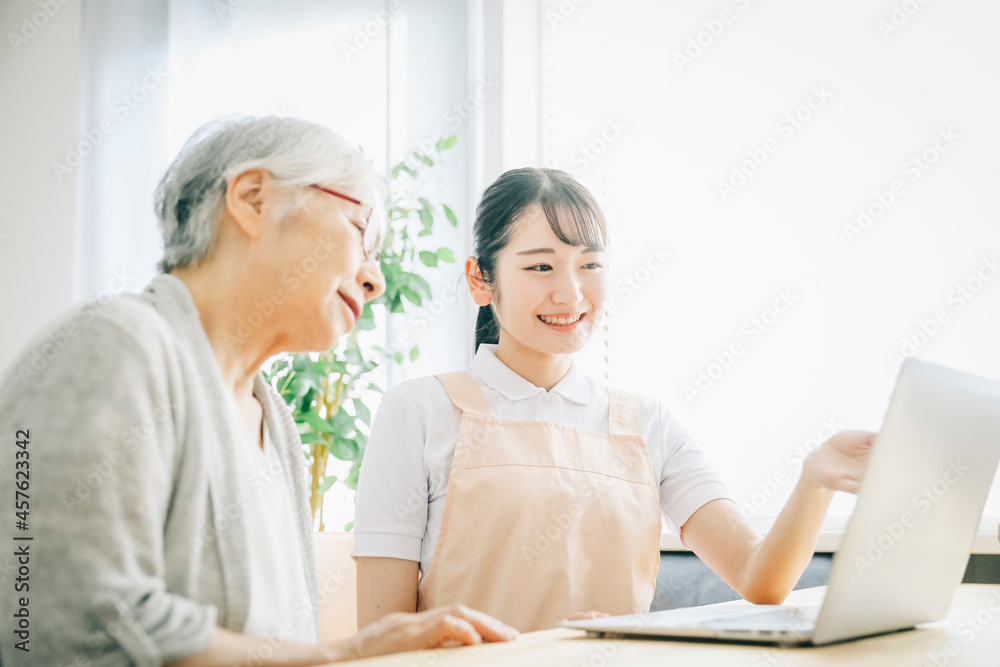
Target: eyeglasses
point(371, 237)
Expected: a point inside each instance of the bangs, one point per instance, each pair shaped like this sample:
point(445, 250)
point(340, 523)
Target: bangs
point(574, 217)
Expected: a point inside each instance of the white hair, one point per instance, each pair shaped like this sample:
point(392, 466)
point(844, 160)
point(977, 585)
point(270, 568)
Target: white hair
point(191, 194)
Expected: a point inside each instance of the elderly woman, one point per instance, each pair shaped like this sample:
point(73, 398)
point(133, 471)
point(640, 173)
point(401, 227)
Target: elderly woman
point(168, 504)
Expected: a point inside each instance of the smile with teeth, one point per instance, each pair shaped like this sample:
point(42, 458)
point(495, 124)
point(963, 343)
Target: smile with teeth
point(561, 320)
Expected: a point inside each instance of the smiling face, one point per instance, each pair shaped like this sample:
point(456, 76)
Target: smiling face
point(548, 295)
point(325, 275)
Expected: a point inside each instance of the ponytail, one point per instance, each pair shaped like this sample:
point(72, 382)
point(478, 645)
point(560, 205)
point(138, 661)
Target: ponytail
point(487, 330)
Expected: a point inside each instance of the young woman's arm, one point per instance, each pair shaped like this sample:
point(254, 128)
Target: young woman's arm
point(765, 569)
point(389, 585)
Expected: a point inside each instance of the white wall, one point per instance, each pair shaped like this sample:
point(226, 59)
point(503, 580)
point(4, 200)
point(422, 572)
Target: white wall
point(653, 111)
point(39, 84)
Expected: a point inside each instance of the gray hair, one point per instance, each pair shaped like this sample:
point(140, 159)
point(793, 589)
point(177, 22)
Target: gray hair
point(191, 195)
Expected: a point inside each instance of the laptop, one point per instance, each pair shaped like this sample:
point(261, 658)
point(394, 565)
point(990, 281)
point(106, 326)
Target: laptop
point(906, 547)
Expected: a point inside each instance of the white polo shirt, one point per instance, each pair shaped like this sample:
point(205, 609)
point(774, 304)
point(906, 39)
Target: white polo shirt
point(404, 475)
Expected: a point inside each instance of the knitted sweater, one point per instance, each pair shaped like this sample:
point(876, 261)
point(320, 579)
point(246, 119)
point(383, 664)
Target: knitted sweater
point(138, 541)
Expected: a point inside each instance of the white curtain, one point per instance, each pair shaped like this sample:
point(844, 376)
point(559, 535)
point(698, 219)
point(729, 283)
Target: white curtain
point(124, 83)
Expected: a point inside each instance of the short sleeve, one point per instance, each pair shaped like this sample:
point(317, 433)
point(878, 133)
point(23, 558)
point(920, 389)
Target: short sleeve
point(391, 506)
point(687, 480)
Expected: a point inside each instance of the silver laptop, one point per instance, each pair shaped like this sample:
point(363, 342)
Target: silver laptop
point(906, 547)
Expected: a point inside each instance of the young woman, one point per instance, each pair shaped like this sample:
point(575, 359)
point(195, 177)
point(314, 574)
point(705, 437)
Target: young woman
point(527, 490)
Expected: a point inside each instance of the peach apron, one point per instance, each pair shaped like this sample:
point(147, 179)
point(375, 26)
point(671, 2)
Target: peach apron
point(542, 520)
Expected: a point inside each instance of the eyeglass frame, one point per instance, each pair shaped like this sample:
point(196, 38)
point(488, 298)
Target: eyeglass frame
point(370, 233)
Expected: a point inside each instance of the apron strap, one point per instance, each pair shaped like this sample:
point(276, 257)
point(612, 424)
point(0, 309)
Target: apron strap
point(465, 393)
point(623, 413)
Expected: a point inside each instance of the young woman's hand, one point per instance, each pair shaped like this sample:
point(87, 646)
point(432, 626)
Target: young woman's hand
point(454, 625)
point(839, 463)
point(586, 615)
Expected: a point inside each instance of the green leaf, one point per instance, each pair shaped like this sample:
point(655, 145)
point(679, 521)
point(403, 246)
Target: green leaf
point(426, 218)
point(344, 450)
point(402, 166)
point(374, 387)
point(425, 232)
point(411, 295)
point(319, 424)
point(362, 412)
point(421, 286)
point(414, 353)
point(397, 305)
point(349, 527)
point(310, 438)
point(450, 214)
point(428, 258)
point(325, 485)
point(399, 357)
point(447, 142)
point(426, 160)
point(353, 356)
point(445, 255)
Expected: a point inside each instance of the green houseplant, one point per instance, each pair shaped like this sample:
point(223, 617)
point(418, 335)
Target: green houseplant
point(329, 392)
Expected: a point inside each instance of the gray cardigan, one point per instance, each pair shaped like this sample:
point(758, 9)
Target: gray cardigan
point(135, 513)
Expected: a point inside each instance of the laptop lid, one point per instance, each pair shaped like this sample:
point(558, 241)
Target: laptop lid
point(931, 466)
point(908, 541)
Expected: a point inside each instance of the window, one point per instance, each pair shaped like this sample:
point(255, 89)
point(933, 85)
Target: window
point(800, 195)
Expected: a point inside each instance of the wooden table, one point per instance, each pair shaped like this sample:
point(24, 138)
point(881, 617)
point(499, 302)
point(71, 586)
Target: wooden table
point(969, 637)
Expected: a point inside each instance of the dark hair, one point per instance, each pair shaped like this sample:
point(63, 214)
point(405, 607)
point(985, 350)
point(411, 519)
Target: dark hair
point(572, 213)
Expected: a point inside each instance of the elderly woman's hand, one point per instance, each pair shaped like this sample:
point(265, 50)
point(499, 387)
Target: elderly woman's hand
point(454, 625)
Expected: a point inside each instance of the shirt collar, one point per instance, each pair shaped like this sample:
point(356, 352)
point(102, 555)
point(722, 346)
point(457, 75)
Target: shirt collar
point(499, 377)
